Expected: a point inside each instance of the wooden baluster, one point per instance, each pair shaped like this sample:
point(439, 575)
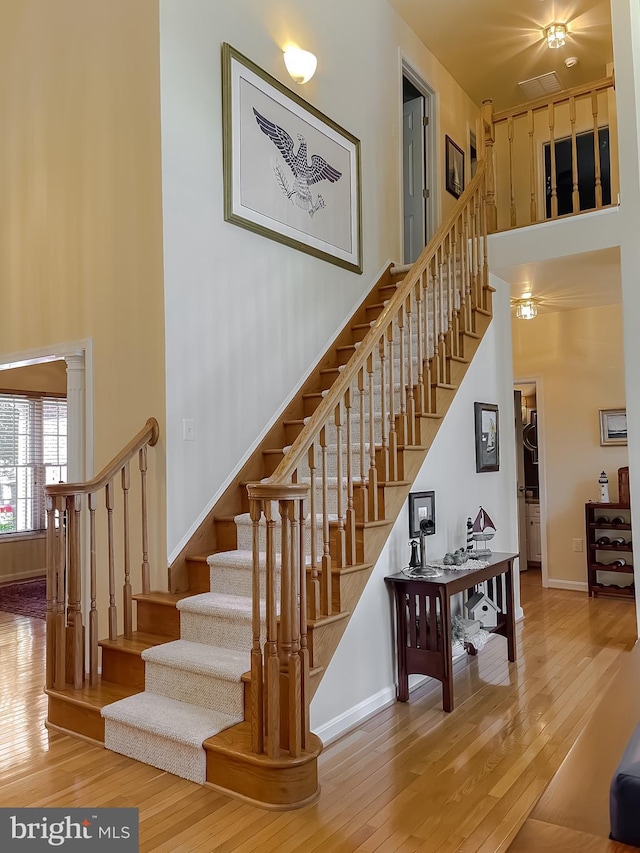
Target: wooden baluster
point(393, 435)
point(512, 186)
point(74, 614)
point(146, 571)
point(402, 423)
point(285, 627)
point(420, 302)
point(325, 580)
point(552, 155)
point(293, 660)
point(364, 507)
point(411, 402)
point(575, 193)
point(257, 675)
point(341, 545)
point(113, 611)
point(474, 257)
point(484, 234)
point(442, 323)
point(52, 591)
point(272, 682)
point(489, 140)
point(533, 206)
point(92, 501)
point(314, 583)
point(373, 471)
point(126, 589)
point(383, 459)
point(305, 693)
point(449, 302)
point(455, 294)
point(61, 599)
point(436, 314)
point(351, 513)
point(596, 148)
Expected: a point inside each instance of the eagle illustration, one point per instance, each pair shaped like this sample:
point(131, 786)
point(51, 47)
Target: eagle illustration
point(304, 174)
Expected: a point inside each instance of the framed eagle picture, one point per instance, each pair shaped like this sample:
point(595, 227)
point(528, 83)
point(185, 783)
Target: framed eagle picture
point(290, 173)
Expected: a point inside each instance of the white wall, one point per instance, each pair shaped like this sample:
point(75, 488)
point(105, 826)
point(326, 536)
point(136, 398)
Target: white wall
point(246, 317)
point(625, 18)
point(349, 692)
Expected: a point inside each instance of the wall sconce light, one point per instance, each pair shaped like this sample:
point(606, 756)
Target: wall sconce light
point(301, 64)
point(526, 309)
point(556, 35)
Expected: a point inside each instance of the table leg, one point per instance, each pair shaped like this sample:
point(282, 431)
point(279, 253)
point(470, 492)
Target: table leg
point(447, 653)
point(401, 640)
point(511, 615)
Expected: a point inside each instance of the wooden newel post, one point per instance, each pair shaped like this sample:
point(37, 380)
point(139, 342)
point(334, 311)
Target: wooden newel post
point(278, 718)
point(488, 128)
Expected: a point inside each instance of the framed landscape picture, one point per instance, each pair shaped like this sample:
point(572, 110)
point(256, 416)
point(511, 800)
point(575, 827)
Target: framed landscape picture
point(487, 437)
point(290, 172)
point(613, 426)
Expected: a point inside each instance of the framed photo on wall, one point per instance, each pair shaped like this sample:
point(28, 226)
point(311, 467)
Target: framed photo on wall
point(290, 172)
point(613, 426)
point(454, 167)
point(487, 429)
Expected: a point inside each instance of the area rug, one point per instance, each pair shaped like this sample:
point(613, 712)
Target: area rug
point(25, 598)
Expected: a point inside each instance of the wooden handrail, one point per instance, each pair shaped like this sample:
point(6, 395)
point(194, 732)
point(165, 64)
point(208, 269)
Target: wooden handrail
point(557, 98)
point(305, 516)
point(148, 435)
point(350, 372)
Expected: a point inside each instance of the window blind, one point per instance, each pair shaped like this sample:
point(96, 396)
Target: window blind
point(33, 453)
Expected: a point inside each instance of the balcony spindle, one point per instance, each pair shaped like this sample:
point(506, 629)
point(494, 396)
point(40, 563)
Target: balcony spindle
point(113, 610)
point(552, 155)
point(533, 207)
point(575, 194)
point(596, 148)
point(126, 588)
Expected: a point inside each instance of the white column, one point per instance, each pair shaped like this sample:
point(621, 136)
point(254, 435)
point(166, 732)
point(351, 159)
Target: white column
point(75, 418)
point(625, 19)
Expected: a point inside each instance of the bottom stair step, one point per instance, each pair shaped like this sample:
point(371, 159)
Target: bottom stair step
point(163, 732)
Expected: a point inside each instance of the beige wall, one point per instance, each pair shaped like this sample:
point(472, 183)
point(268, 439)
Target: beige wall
point(579, 357)
point(80, 208)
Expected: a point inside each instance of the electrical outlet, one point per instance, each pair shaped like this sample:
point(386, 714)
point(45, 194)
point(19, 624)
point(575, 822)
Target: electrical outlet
point(188, 429)
point(577, 544)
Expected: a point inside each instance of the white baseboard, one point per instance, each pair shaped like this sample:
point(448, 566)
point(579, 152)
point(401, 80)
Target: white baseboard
point(519, 614)
point(352, 717)
point(574, 586)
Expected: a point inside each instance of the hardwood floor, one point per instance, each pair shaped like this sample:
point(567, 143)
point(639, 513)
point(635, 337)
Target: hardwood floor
point(411, 778)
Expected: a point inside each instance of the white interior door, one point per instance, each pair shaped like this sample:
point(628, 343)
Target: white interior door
point(413, 171)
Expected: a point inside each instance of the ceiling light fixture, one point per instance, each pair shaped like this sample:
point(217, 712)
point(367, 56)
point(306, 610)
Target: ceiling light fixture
point(556, 35)
point(301, 64)
point(526, 309)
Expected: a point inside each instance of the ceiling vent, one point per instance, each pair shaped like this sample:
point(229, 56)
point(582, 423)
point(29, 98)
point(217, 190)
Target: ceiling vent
point(545, 84)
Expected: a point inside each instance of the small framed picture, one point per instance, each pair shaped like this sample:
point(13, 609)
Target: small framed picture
point(422, 513)
point(613, 426)
point(454, 167)
point(487, 437)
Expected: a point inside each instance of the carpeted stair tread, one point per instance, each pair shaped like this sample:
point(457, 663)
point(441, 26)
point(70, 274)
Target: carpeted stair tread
point(213, 661)
point(216, 604)
point(169, 718)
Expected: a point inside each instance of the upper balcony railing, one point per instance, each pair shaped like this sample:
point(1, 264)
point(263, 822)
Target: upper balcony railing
point(553, 157)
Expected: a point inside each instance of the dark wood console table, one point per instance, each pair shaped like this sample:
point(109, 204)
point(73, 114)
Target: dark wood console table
point(423, 620)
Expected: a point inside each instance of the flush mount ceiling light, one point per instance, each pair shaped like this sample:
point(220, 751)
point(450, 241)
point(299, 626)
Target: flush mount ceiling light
point(556, 35)
point(301, 64)
point(526, 309)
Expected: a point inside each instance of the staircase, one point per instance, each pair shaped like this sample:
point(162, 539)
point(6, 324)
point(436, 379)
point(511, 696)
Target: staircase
point(215, 683)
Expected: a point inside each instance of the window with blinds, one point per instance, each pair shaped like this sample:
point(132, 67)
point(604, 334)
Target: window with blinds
point(33, 453)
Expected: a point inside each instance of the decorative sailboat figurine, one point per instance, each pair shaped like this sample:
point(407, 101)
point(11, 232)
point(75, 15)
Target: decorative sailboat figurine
point(483, 530)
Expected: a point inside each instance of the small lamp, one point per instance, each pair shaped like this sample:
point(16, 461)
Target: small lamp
point(301, 64)
point(556, 35)
point(526, 309)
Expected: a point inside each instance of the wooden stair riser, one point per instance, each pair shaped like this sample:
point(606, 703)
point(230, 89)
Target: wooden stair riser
point(199, 575)
point(155, 618)
point(75, 718)
point(123, 667)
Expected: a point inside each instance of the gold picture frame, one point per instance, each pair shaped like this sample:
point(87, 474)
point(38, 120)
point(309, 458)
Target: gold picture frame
point(304, 193)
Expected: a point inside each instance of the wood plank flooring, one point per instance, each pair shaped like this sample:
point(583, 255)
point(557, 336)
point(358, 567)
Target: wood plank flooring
point(411, 778)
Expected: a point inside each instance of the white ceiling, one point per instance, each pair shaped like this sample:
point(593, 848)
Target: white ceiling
point(587, 280)
point(489, 46)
